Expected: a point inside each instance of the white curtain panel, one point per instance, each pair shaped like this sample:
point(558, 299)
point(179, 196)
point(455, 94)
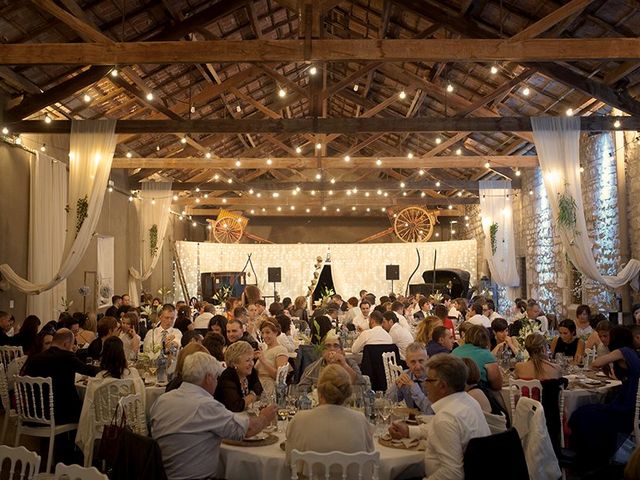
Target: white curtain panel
point(154, 211)
point(92, 144)
point(557, 142)
point(47, 222)
point(105, 270)
point(496, 205)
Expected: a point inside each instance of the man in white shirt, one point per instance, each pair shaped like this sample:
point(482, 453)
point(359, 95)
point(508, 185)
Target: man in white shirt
point(398, 308)
point(376, 335)
point(477, 318)
point(163, 335)
point(189, 424)
point(489, 311)
point(458, 418)
point(361, 320)
point(201, 322)
point(534, 312)
point(399, 335)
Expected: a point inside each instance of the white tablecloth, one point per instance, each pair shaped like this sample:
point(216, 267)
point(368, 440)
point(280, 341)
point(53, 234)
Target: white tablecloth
point(242, 463)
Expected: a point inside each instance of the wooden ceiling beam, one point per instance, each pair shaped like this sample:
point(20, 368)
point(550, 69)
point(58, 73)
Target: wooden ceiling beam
point(298, 163)
point(243, 51)
point(299, 202)
point(337, 126)
point(456, 211)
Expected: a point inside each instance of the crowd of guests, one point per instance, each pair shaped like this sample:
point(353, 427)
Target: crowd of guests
point(451, 351)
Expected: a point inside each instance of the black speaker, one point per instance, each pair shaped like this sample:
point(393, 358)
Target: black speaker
point(274, 274)
point(393, 272)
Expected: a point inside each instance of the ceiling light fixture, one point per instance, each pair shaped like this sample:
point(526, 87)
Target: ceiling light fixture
point(86, 98)
point(449, 88)
point(313, 70)
point(378, 162)
point(318, 146)
point(347, 158)
point(47, 118)
point(149, 96)
point(298, 150)
point(402, 95)
point(282, 93)
point(494, 69)
point(526, 91)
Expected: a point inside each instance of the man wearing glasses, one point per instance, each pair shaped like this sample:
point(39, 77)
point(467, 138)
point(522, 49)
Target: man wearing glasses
point(408, 386)
point(332, 353)
point(458, 418)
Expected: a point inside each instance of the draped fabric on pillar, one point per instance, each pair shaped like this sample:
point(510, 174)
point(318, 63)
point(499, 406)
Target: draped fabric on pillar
point(153, 209)
point(496, 199)
point(557, 142)
point(92, 144)
point(47, 221)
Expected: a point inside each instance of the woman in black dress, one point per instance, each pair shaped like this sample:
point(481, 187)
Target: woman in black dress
point(568, 343)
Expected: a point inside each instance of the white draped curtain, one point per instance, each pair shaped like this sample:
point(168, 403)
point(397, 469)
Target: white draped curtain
point(557, 141)
point(496, 200)
point(92, 144)
point(47, 221)
point(153, 210)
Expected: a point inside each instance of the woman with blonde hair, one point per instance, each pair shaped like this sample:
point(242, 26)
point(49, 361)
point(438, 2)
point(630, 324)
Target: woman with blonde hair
point(538, 366)
point(425, 328)
point(315, 430)
point(239, 385)
point(192, 347)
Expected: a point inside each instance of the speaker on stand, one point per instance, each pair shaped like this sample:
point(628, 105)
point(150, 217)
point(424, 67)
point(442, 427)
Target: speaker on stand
point(274, 275)
point(393, 273)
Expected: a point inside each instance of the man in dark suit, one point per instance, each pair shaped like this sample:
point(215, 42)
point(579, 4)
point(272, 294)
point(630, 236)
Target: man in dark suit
point(61, 364)
point(425, 308)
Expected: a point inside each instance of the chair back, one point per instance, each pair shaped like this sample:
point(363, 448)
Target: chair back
point(636, 418)
point(4, 391)
point(76, 472)
point(523, 388)
point(479, 449)
point(373, 366)
point(553, 404)
point(134, 413)
point(391, 369)
point(34, 400)
point(23, 464)
point(8, 354)
point(349, 465)
point(281, 374)
point(106, 398)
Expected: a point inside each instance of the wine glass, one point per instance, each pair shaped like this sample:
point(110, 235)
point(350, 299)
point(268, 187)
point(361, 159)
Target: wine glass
point(385, 410)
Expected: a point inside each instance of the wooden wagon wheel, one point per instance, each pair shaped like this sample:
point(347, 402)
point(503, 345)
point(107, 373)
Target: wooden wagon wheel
point(228, 230)
point(414, 224)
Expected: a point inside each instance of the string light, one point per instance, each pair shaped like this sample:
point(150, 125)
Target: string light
point(128, 155)
point(206, 195)
point(569, 112)
point(324, 209)
point(616, 124)
point(43, 148)
point(230, 181)
point(238, 108)
point(337, 209)
point(410, 155)
point(459, 151)
point(494, 69)
point(526, 91)
point(194, 224)
point(313, 70)
point(355, 87)
point(450, 207)
point(438, 183)
point(149, 96)
point(5, 131)
point(18, 140)
point(153, 201)
point(378, 162)
point(402, 184)
point(487, 165)
point(86, 98)
point(421, 172)
point(518, 172)
point(318, 176)
point(307, 210)
point(216, 177)
point(197, 200)
point(292, 207)
point(330, 192)
point(47, 118)
point(110, 189)
point(252, 211)
point(449, 88)
point(279, 209)
point(318, 146)
point(207, 155)
point(347, 158)
point(282, 93)
point(238, 163)
point(275, 194)
point(269, 161)
point(423, 194)
point(353, 208)
point(175, 198)
point(438, 140)
point(530, 192)
point(224, 200)
point(460, 193)
point(368, 209)
point(298, 150)
point(251, 191)
point(366, 194)
point(333, 180)
point(197, 189)
point(383, 209)
point(402, 95)
point(114, 72)
point(183, 140)
point(130, 198)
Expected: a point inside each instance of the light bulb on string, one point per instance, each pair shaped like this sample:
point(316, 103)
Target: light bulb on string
point(402, 95)
point(47, 118)
point(149, 96)
point(128, 155)
point(526, 91)
point(494, 69)
point(313, 70)
point(114, 72)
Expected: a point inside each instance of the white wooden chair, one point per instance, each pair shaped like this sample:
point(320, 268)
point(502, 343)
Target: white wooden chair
point(22, 462)
point(105, 401)
point(523, 388)
point(134, 413)
point(8, 354)
point(76, 472)
point(6, 404)
point(34, 401)
point(636, 419)
point(391, 369)
point(367, 464)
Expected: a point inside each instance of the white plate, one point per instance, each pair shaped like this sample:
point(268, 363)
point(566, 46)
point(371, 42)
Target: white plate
point(257, 437)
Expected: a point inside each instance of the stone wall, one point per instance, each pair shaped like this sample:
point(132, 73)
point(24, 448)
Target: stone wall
point(632, 168)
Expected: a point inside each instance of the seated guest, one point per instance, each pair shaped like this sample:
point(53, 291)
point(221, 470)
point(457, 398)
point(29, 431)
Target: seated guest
point(129, 335)
point(218, 324)
point(183, 322)
point(6, 324)
point(163, 336)
point(285, 339)
point(476, 347)
point(583, 325)
point(538, 366)
point(236, 333)
point(28, 332)
point(107, 327)
point(61, 364)
point(322, 322)
point(425, 328)
point(215, 344)
point(261, 310)
point(187, 350)
point(599, 339)
point(241, 314)
point(42, 342)
point(113, 363)
point(502, 339)
point(472, 388)
point(567, 342)
point(361, 319)
point(442, 312)
point(458, 418)
point(376, 335)
point(441, 341)
point(351, 313)
point(398, 309)
point(462, 330)
point(300, 308)
point(239, 385)
point(315, 430)
point(596, 428)
point(399, 335)
point(408, 386)
point(488, 310)
point(424, 309)
point(476, 317)
point(276, 308)
point(87, 329)
point(206, 313)
point(332, 353)
point(189, 424)
point(268, 361)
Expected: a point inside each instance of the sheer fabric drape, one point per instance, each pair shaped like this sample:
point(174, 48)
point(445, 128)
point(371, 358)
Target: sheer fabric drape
point(557, 143)
point(153, 210)
point(92, 144)
point(496, 199)
point(47, 220)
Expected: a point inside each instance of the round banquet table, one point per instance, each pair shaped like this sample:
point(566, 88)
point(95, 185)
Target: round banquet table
point(268, 462)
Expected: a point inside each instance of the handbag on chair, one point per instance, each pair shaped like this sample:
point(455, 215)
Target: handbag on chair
point(111, 435)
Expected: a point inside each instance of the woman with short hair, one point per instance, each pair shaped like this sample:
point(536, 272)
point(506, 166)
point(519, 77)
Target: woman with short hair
point(330, 426)
point(107, 327)
point(239, 385)
point(476, 347)
point(568, 343)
